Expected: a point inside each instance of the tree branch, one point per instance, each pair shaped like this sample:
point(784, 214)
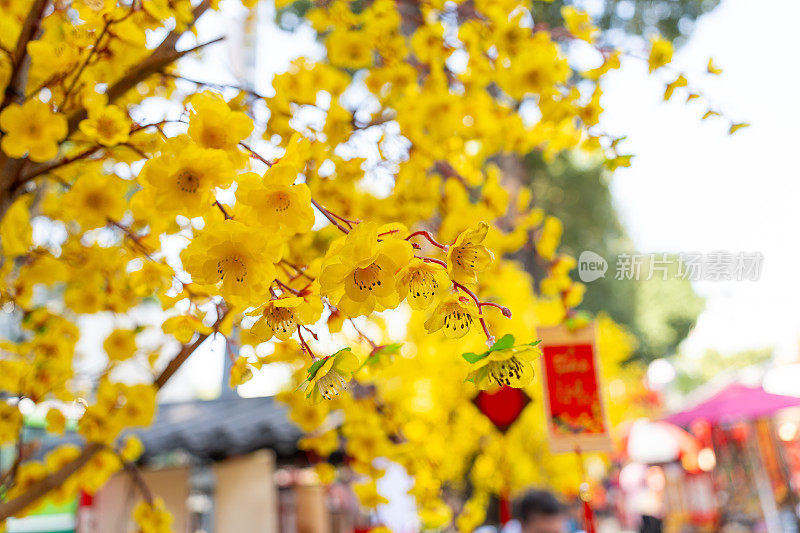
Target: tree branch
point(162, 56)
point(29, 29)
point(177, 361)
point(53, 481)
point(40, 489)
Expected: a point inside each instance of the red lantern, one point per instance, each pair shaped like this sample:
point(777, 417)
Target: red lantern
point(502, 406)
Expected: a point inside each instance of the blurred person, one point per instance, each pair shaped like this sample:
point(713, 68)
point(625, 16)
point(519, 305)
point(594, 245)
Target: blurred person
point(650, 502)
point(539, 511)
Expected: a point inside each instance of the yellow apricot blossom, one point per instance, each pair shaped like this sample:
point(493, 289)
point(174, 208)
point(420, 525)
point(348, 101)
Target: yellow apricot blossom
point(579, 23)
point(236, 259)
point(281, 316)
point(327, 377)
point(56, 421)
point(276, 205)
point(503, 364)
point(152, 517)
point(455, 315)
point(422, 283)
point(468, 256)
point(95, 199)
point(120, 344)
point(10, 422)
point(368, 495)
point(108, 125)
point(346, 48)
point(359, 272)
point(184, 327)
point(214, 125)
point(32, 128)
point(184, 176)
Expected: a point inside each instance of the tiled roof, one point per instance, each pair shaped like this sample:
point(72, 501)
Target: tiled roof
point(212, 429)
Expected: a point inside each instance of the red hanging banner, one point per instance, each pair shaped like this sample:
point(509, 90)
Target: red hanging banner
point(576, 415)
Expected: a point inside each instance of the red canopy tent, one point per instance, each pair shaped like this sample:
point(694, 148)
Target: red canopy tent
point(735, 402)
point(739, 403)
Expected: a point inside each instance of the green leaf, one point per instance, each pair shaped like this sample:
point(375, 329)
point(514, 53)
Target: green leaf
point(378, 352)
point(390, 348)
point(312, 370)
point(533, 343)
point(472, 357)
point(505, 342)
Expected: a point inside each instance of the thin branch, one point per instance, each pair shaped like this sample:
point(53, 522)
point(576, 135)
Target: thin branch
point(304, 345)
point(489, 337)
point(29, 29)
point(39, 489)
point(432, 260)
point(162, 56)
point(363, 335)
point(429, 238)
point(329, 216)
point(42, 169)
point(347, 221)
point(285, 287)
point(214, 84)
point(300, 272)
point(138, 480)
point(176, 362)
point(224, 212)
point(133, 238)
point(11, 473)
point(256, 154)
point(85, 63)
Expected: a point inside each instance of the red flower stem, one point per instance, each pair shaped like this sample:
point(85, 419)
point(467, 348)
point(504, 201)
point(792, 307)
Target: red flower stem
point(362, 335)
point(331, 218)
point(345, 220)
point(489, 336)
point(285, 287)
point(304, 345)
point(429, 237)
point(300, 271)
point(505, 310)
point(310, 332)
point(224, 212)
point(257, 155)
point(432, 260)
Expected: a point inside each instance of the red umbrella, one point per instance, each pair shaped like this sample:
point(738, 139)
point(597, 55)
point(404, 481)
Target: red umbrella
point(735, 402)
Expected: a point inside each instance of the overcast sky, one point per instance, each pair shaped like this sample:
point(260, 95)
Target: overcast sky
point(691, 187)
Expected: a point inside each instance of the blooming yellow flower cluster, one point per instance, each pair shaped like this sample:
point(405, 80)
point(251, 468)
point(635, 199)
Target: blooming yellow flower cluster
point(395, 192)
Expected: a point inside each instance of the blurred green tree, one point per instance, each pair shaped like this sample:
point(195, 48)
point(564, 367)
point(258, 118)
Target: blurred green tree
point(696, 371)
point(673, 19)
point(660, 312)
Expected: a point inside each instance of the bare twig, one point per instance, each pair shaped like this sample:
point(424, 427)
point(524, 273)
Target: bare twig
point(329, 216)
point(138, 480)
